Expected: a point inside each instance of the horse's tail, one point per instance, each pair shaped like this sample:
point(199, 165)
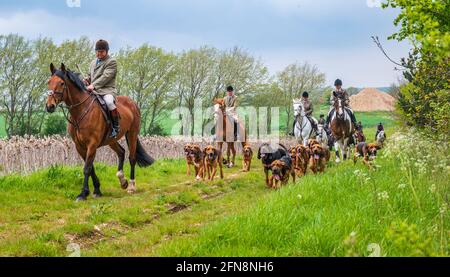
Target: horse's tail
point(142, 158)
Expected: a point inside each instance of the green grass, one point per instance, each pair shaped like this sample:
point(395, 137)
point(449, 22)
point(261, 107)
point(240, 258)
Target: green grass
point(38, 215)
point(338, 213)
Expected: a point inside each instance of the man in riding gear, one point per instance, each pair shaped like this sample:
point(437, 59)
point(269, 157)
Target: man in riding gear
point(101, 81)
point(342, 94)
point(230, 101)
point(380, 128)
point(308, 109)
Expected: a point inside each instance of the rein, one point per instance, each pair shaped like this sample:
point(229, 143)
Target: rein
point(75, 123)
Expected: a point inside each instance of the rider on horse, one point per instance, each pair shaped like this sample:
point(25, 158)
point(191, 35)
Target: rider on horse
point(101, 81)
point(342, 94)
point(308, 109)
point(380, 128)
point(230, 101)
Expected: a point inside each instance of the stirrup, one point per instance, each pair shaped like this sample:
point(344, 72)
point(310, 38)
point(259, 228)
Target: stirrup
point(114, 133)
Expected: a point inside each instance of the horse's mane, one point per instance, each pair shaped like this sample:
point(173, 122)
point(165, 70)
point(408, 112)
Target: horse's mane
point(73, 77)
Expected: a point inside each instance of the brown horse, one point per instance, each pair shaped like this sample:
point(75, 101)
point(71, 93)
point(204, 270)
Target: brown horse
point(342, 129)
point(89, 130)
point(221, 132)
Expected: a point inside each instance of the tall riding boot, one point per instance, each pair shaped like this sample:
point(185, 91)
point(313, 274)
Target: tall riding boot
point(293, 130)
point(235, 130)
point(115, 123)
point(353, 120)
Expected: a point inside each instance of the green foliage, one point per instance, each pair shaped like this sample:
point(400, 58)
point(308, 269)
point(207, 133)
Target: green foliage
point(425, 100)
point(55, 124)
point(426, 23)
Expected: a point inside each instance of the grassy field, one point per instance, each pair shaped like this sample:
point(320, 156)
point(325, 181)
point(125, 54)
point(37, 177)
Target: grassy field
point(395, 210)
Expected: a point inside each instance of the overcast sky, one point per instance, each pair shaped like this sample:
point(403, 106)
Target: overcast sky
point(333, 34)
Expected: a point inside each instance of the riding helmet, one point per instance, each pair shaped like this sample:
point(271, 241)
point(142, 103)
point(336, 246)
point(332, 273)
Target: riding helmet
point(230, 88)
point(338, 82)
point(305, 94)
point(101, 45)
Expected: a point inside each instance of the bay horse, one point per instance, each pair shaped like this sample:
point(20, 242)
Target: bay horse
point(89, 130)
point(220, 117)
point(342, 129)
point(303, 130)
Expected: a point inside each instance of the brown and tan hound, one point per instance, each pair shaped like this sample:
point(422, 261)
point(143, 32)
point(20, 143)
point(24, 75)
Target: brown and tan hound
point(187, 156)
point(318, 158)
point(281, 170)
point(197, 157)
point(366, 150)
point(248, 155)
point(212, 159)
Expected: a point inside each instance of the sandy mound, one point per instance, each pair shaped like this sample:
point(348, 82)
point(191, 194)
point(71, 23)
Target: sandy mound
point(370, 99)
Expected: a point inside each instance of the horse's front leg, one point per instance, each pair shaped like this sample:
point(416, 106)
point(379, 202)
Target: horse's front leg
point(337, 147)
point(233, 151)
point(87, 171)
point(345, 152)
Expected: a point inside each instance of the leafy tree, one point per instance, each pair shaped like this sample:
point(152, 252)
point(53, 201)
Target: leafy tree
point(425, 99)
point(147, 74)
point(294, 80)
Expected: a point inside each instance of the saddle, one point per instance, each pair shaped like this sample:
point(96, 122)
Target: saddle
point(104, 108)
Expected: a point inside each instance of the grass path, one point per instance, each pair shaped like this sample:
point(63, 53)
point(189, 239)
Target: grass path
point(39, 216)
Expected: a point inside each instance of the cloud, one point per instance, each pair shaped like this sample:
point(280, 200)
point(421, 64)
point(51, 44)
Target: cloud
point(36, 23)
point(374, 3)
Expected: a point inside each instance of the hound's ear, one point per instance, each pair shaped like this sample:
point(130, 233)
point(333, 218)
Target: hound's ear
point(52, 68)
point(204, 151)
point(63, 67)
point(217, 152)
point(378, 147)
point(259, 154)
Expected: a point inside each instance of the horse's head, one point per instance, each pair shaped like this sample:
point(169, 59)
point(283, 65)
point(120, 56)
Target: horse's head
point(298, 107)
point(339, 108)
point(219, 105)
point(56, 88)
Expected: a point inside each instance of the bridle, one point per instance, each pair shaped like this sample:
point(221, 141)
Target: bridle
point(65, 107)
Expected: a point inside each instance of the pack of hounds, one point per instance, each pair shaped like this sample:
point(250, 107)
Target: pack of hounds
point(283, 163)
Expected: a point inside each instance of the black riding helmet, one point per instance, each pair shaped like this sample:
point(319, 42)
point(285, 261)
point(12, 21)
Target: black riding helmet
point(338, 82)
point(230, 88)
point(305, 94)
point(101, 45)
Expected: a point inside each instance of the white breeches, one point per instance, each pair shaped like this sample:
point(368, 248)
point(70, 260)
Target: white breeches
point(109, 99)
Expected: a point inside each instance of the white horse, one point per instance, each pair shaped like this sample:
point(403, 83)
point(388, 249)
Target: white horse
point(381, 137)
point(303, 129)
point(322, 136)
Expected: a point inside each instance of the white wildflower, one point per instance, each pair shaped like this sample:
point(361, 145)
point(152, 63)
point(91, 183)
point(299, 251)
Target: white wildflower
point(383, 195)
point(401, 186)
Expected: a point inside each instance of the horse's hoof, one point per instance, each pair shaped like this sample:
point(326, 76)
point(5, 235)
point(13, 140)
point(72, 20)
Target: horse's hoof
point(97, 194)
point(81, 198)
point(124, 185)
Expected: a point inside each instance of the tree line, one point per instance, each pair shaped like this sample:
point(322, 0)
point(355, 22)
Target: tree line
point(158, 80)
